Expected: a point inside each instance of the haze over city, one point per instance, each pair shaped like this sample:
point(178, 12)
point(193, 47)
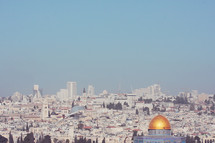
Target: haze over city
point(110, 44)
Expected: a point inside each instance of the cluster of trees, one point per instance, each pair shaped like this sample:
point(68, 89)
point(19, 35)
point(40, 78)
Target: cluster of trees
point(167, 100)
point(117, 106)
point(191, 139)
point(126, 104)
point(60, 141)
point(146, 109)
point(157, 108)
point(46, 139)
point(209, 101)
point(84, 140)
point(103, 105)
point(3, 139)
point(181, 100)
point(29, 138)
point(212, 107)
point(199, 108)
point(27, 127)
point(137, 112)
point(145, 100)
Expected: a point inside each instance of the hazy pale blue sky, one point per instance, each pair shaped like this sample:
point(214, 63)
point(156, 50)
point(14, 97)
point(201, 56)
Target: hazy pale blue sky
point(107, 44)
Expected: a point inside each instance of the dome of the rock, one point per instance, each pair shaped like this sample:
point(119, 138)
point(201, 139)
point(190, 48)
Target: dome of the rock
point(159, 122)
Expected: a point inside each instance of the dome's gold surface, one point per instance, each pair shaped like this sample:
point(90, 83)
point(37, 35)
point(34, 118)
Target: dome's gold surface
point(159, 122)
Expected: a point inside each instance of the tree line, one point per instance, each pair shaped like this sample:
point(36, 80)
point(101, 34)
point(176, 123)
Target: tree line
point(117, 106)
point(29, 138)
point(84, 140)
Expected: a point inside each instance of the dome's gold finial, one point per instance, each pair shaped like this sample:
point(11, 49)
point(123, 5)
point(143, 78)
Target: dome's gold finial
point(159, 122)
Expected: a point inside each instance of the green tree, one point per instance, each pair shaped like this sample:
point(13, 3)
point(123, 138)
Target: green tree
point(197, 139)
point(103, 141)
point(29, 138)
point(18, 140)
point(125, 103)
point(3, 139)
point(76, 140)
point(47, 139)
point(85, 140)
point(73, 103)
point(21, 139)
point(134, 134)
point(49, 114)
point(40, 139)
point(55, 140)
point(67, 140)
point(200, 108)
point(11, 138)
point(188, 139)
point(27, 128)
point(137, 112)
point(118, 106)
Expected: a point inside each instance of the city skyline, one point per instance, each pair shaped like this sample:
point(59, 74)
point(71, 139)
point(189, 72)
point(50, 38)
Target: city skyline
point(70, 91)
point(146, 115)
point(111, 45)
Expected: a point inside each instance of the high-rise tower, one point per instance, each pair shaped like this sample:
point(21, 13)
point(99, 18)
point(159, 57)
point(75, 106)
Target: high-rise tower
point(37, 93)
point(72, 89)
point(90, 91)
point(84, 93)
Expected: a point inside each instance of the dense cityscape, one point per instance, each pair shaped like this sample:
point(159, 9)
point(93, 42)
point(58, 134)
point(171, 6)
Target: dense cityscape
point(98, 71)
point(67, 117)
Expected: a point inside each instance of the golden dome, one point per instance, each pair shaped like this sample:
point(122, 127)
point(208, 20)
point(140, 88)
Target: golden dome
point(159, 122)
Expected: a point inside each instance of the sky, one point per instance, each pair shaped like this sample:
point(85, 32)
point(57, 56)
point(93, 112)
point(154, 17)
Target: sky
point(113, 45)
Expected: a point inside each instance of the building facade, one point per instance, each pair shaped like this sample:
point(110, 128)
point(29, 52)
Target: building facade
point(90, 91)
point(72, 89)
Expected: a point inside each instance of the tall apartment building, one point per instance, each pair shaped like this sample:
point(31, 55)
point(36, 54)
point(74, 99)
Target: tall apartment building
point(63, 94)
point(72, 89)
point(36, 92)
point(90, 91)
